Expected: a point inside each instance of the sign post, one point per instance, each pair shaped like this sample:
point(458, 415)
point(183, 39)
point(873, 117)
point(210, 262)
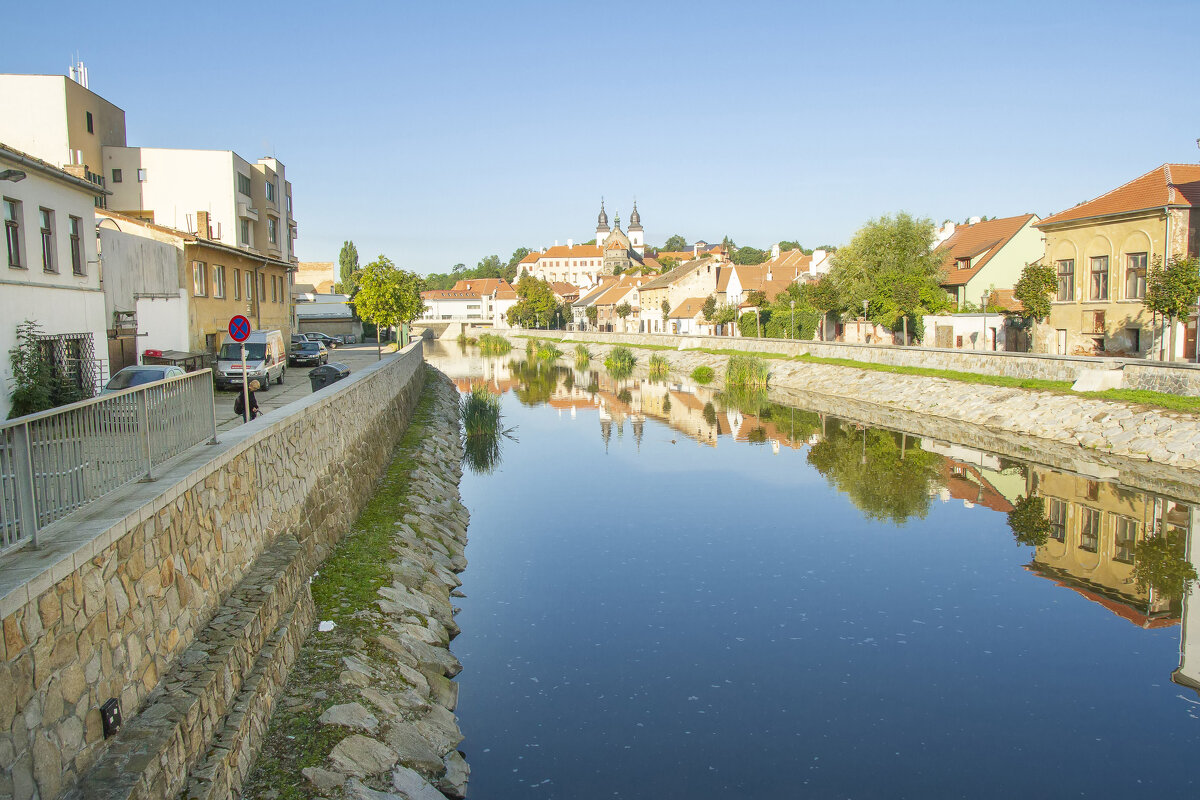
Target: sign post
point(239, 331)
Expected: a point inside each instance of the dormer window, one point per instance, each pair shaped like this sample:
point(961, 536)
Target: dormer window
point(962, 263)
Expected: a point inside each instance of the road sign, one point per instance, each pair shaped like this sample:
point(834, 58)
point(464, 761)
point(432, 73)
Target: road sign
point(239, 328)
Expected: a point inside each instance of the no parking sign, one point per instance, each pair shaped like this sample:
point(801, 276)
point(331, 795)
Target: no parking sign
point(239, 328)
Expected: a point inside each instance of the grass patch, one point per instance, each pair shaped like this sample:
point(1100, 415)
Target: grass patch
point(949, 374)
point(492, 345)
point(747, 372)
point(620, 361)
point(582, 353)
point(703, 375)
point(659, 366)
point(1172, 402)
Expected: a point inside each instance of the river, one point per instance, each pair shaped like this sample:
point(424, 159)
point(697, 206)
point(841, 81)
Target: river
point(675, 594)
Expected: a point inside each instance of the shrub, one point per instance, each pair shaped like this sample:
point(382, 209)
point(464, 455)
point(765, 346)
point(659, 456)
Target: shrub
point(703, 375)
point(659, 366)
point(582, 353)
point(548, 351)
point(620, 357)
point(491, 344)
point(747, 371)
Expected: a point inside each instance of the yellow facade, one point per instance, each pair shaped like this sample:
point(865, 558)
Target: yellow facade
point(223, 283)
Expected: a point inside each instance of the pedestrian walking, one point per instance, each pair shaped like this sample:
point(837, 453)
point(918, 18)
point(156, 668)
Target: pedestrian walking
point(239, 405)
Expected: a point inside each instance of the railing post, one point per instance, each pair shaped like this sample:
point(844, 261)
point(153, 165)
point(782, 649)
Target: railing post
point(143, 413)
point(26, 496)
point(212, 397)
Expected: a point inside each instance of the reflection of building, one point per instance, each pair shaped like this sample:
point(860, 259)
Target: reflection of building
point(977, 478)
point(1095, 528)
point(1188, 673)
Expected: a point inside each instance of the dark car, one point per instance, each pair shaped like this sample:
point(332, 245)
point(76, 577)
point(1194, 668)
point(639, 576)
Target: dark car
point(307, 352)
point(325, 339)
point(298, 338)
point(136, 376)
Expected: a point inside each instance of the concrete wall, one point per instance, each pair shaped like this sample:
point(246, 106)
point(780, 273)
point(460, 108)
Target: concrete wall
point(1176, 378)
point(116, 594)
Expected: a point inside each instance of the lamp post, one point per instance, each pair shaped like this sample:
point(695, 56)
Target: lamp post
point(865, 303)
point(983, 307)
point(792, 328)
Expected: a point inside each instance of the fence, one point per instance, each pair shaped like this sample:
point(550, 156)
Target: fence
point(56, 462)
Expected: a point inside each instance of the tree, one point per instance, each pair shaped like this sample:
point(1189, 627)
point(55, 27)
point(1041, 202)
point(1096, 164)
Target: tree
point(1033, 290)
point(457, 269)
point(884, 252)
point(624, 310)
point(592, 314)
point(1028, 521)
point(509, 273)
point(666, 310)
point(710, 308)
point(388, 296)
point(348, 269)
point(1160, 564)
point(749, 255)
point(823, 296)
point(676, 244)
point(535, 304)
point(785, 246)
point(1171, 290)
point(907, 294)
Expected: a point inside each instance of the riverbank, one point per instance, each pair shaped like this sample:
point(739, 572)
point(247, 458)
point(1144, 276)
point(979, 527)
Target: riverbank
point(369, 705)
point(1102, 427)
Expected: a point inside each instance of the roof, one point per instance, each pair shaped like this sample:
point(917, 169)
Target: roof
point(1006, 299)
point(754, 279)
point(651, 263)
point(449, 294)
point(529, 259)
point(564, 289)
point(482, 286)
point(191, 238)
point(790, 261)
point(678, 255)
point(669, 277)
point(616, 293)
point(981, 241)
point(688, 309)
point(562, 251)
point(46, 168)
point(606, 282)
point(1166, 185)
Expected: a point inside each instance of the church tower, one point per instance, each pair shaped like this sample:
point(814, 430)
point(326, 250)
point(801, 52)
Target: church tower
point(636, 242)
point(601, 225)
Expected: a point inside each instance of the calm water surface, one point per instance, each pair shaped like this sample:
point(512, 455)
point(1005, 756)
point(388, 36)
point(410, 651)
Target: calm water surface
point(677, 595)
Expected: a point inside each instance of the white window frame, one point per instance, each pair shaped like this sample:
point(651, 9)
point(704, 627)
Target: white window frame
point(199, 279)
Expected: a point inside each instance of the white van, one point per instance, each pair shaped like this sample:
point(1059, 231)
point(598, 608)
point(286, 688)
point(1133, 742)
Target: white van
point(266, 360)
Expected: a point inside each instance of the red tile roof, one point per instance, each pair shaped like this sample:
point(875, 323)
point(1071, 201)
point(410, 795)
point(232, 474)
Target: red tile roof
point(688, 309)
point(449, 294)
point(979, 242)
point(1167, 185)
point(482, 285)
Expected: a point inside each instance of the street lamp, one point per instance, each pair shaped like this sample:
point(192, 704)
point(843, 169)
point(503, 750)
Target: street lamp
point(865, 303)
point(983, 307)
point(792, 329)
point(14, 175)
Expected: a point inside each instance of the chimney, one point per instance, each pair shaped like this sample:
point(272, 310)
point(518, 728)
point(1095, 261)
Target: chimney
point(202, 225)
point(974, 220)
point(570, 243)
point(775, 250)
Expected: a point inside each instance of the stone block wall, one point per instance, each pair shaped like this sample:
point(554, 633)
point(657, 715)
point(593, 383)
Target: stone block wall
point(112, 618)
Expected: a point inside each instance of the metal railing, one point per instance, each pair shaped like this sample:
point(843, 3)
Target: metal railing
point(55, 462)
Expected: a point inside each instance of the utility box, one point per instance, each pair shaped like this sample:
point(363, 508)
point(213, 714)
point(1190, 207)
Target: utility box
point(322, 376)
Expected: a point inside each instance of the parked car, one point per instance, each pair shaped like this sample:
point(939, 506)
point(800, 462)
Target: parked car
point(306, 352)
point(324, 338)
point(266, 360)
point(299, 338)
point(136, 376)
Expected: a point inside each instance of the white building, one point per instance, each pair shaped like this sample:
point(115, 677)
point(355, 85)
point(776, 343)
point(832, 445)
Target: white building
point(51, 273)
point(582, 265)
point(480, 302)
point(326, 313)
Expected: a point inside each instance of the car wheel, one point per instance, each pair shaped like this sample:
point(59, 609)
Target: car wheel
point(282, 372)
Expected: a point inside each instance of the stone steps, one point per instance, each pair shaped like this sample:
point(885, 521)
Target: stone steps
point(153, 754)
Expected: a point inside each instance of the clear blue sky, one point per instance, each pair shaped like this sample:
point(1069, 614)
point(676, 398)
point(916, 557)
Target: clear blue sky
point(440, 132)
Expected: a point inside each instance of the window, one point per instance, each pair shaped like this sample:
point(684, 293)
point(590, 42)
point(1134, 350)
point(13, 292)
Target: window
point(89, 123)
point(249, 286)
point(1056, 512)
point(962, 263)
point(244, 236)
point(1089, 532)
point(76, 225)
point(1125, 537)
point(1135, 276)
point(116, 175)
point(272, 230)
point(199, 279)
point(271, 191)
point(12, 232)
point(141, 175)
point(218, 280)
point(289, 205)
point(274, 290)
point(1066, 279)
point(1099, 282)
point(237, 284)
point(262, 287)
point(47, 232)
point(243, 184)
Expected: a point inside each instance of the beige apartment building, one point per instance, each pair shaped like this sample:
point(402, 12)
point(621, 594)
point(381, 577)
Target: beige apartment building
point(1101, 251)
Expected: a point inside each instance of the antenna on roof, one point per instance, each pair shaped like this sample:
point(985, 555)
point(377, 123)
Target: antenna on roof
point(79, 72)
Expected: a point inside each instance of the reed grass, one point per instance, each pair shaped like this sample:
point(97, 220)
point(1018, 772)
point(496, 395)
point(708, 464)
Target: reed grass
point(747, 371)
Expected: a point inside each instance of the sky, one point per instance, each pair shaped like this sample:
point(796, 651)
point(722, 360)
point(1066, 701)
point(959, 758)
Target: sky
point(438, 133)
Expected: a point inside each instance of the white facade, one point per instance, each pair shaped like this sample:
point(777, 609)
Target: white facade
point(142, 277)
point(49, 272)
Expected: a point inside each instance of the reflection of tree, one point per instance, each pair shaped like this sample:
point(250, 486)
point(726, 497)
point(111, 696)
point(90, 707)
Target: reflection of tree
point(1028, 521)
point(794, 424)
point(536, 380)
point(625, 396)
point(482, 433)
point(1159, 563)
point(710, 415)
point(884, 480)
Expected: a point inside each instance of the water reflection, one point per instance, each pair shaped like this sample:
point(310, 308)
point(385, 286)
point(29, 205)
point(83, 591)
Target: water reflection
point(1128, 552)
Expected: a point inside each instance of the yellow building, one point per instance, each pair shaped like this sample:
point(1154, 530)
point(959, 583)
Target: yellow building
point(1101, 251)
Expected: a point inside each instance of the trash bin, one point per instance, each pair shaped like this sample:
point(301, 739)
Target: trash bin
point(322, 376)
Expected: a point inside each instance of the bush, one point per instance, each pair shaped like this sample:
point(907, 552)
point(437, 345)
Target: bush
point(703, 375)
point(659, 366)
point(548, 351)
point(747, 371)
point(491, 344)
point(620, 362)
point(582, 353)
point(748, 324)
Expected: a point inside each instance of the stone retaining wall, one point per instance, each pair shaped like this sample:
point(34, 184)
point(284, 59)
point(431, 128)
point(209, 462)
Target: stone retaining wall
point(110, 615)
point(1174, 378)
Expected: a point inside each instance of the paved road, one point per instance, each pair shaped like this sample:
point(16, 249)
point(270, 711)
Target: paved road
point(295, 384)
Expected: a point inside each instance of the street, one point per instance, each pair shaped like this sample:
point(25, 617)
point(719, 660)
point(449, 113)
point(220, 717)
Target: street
point(295, 384)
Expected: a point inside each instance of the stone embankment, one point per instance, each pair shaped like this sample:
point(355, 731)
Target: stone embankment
point(1102, 427)
point(368, 712)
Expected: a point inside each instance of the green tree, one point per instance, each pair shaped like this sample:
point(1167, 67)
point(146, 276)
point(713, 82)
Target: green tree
point(676, 244)
point(1028, 521)
point(710, 308)
point(666, 310)
point(388, 297)
point(785, 246)
point(823, 296)
point(348, 268)
point(624, 310)
point(1171, 290)
point(592, 314)
point(883, 253)
point(668, 263)
point(536, 303)
point(1033, 290)
point(509, 273)
point(749, 255)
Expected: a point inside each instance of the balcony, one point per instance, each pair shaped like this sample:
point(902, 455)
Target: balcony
point(246, 212)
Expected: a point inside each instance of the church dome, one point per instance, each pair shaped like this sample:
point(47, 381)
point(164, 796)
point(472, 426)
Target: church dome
point(602, 220)
point(635, 219)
